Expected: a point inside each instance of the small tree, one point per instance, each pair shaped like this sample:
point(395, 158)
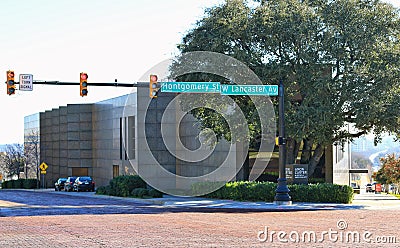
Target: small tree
point(389, 173)
point(13, 160)
point(32, 152)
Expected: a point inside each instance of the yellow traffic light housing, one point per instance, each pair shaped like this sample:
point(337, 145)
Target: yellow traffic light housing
point(153, 86)
point(10, 83)
point(83, 84)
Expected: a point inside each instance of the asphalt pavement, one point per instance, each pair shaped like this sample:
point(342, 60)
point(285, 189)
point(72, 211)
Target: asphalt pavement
point(15, 202)
point(361, 201)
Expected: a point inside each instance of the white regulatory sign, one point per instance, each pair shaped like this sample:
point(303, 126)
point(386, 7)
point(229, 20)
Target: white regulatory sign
point(26, 82)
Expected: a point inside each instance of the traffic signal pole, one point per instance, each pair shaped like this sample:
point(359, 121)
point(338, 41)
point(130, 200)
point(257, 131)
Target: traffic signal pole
point(282, 191)
point(137, 84)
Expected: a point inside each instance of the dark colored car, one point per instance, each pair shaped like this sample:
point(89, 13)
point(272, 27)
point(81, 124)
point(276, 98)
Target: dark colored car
point(369, 188)
point(59, 184)
point(84, 184)
point(69, 184)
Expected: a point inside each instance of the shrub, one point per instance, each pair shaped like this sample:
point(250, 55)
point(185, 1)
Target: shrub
point(123, 185)
point(315, 180)
point(29, 183)
point(155, 193)
point(103, 190)
point(265, 191)
point(6, 184)
point(19, 184)
point(16, 184)
point(126, 186)
point(139, 192)
point(201, 187)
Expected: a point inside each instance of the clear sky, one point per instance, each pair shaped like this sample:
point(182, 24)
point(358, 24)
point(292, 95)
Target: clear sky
point(56, 40)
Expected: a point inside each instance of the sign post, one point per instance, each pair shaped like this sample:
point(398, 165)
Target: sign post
point(43, 166)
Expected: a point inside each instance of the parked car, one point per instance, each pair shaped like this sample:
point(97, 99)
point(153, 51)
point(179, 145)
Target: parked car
point(69, 184)
point(369, 188)
point(356, 188)
point(59, 184)
point(84, 184)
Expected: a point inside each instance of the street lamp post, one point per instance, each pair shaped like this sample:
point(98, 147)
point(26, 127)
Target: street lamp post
point(282, 191)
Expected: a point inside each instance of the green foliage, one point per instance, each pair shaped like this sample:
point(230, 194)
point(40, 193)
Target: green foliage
point(324, 192)
point(20, 184)
point(390, 171)
point(17, 184)
point(139, 192)
point(339, 61)
point(123, 185)
point(6, 185)
point(103, 190)
point(29, 183)
point(314, 180)
point(128, 186)
point(265, 191)
point(200, 188)
point(154, 193)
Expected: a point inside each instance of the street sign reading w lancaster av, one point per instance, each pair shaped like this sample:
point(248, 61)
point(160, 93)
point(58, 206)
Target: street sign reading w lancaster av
point(270, 90)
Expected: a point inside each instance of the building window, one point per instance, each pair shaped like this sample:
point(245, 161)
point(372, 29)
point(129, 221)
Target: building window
point(127, 137)
point(121, 143)
point(131, 137)
point(115, 170)
point(339, 153)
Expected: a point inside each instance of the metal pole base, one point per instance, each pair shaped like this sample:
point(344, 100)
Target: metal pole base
point(282, 196)
point(283, 203)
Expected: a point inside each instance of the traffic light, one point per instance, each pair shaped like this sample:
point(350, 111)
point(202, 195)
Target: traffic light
point(10, 83)
point(153, 86)
point(83, 84)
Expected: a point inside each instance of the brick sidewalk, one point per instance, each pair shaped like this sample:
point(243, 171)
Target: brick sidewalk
point(191, 229)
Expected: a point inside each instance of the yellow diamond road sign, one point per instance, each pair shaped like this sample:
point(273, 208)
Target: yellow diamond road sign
point(43, 166)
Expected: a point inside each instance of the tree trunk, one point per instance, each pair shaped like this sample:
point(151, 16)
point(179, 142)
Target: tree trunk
point(306, 152)
point(319, 151)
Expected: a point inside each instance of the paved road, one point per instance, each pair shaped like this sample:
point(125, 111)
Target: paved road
point(49, 202)
point(30, 203)
point(377, 201)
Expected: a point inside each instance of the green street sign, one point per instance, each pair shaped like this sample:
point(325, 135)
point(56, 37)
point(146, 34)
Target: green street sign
point(270, 90)
point(216, 87)
point(190, 87)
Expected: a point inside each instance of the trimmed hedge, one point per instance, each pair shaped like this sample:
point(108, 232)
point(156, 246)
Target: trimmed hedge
point(20, 184)
point(123, 185)
point(265, 191)
point(128, 186)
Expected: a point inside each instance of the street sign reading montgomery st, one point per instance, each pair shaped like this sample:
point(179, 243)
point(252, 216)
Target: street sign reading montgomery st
point(217, 87)
point(190, 87)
